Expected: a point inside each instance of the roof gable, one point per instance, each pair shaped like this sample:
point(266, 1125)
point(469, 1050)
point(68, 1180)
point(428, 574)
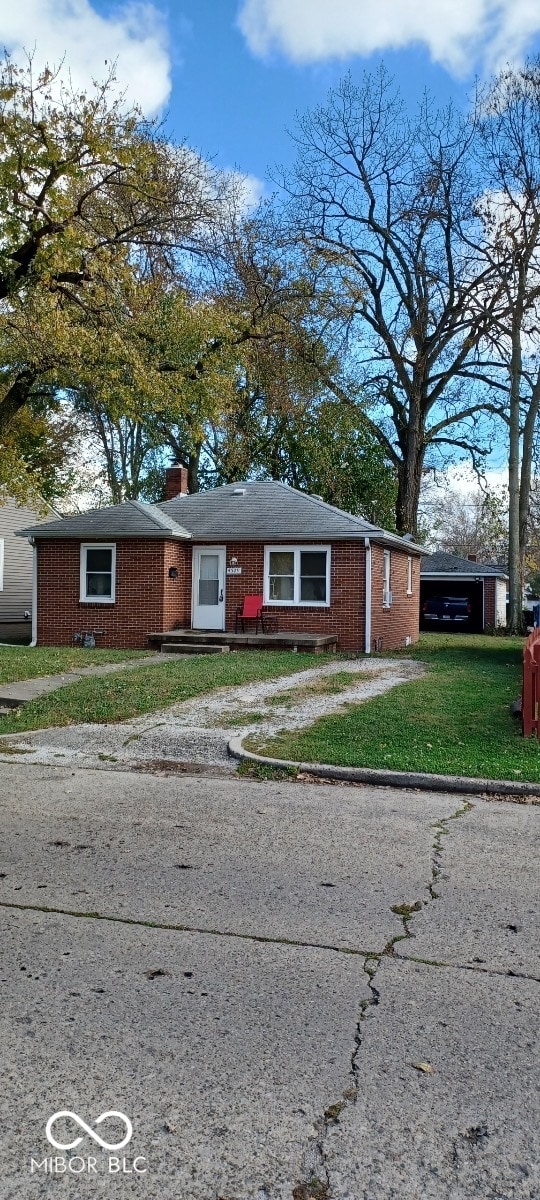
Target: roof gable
point(131, 519)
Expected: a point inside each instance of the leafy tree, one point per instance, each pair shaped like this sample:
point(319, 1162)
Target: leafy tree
point(88, 192)
point(37, 460)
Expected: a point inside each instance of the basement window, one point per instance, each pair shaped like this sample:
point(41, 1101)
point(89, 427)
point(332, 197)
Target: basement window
point(297, 575)
point(98, 573)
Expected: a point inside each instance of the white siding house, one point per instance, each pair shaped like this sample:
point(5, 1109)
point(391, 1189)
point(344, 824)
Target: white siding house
point(16, 570)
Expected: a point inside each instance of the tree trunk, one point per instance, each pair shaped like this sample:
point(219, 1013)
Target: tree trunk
point(526, 470)
point(409, 473)
point(515, 623)
point(193, 461)
point(16, 397)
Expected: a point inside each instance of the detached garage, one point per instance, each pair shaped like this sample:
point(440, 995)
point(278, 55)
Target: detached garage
point(450, 578)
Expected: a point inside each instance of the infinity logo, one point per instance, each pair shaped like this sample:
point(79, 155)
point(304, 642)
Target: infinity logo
point(66, 1112)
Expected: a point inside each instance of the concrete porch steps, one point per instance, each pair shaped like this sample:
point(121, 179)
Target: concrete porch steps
point(285, 640)
point(193, 648)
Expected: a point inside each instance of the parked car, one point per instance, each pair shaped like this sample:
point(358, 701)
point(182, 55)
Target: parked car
point(439, 609)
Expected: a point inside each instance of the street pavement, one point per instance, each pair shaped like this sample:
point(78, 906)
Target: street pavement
point(293, 991)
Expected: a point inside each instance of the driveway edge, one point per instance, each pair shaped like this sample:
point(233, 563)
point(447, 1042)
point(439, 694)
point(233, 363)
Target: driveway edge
point(404, 779)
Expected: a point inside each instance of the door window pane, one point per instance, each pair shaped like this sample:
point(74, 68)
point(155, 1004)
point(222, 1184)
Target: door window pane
point(208, 578)
point(281, 575)
point(313, 576)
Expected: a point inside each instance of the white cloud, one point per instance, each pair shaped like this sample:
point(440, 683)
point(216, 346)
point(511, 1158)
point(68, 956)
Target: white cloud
point(252, 190)
point(134, 36)
point(457, 33)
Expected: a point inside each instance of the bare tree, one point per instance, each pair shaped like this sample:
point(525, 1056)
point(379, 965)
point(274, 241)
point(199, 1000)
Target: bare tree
point(510, 131)
point(386, 203)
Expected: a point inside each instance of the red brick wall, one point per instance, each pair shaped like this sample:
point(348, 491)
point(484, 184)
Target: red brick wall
point(140, 587)
point(147, 600)
point(393, 625)
point(177, 592)
point(345, 616)
point(489, 602)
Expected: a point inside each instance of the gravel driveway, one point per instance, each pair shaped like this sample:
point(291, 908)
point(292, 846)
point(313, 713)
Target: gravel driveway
point(198, 730)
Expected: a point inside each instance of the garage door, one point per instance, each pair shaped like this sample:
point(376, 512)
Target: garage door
point(472, 589)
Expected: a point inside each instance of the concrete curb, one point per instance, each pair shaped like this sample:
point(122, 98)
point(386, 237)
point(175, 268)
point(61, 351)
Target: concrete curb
point(404, 779)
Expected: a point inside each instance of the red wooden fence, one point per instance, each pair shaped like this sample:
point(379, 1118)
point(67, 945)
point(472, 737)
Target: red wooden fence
point(530, 694)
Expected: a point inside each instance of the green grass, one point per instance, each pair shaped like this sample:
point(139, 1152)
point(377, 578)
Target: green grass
point(455, 720)
point(117, 697)
point(20, 662)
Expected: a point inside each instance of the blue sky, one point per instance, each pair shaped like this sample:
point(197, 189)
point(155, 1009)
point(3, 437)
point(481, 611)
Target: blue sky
point(231, 74)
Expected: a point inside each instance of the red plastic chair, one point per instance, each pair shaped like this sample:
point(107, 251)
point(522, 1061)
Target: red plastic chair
point(250, 610)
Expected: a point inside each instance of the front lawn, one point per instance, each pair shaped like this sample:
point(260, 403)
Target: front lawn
point(20, 662)
point(122, 695)
point(454, 721)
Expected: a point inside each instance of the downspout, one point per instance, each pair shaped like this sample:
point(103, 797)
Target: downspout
point(367, 635)
point(34, 591)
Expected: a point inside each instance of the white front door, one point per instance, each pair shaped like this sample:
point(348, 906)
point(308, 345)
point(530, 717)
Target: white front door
point(209, 563)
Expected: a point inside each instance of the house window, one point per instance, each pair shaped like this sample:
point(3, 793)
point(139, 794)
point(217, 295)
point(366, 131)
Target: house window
point(297, 575)
point(409, 576)
point(1, 564)
point(387, 594)
point(98, 572)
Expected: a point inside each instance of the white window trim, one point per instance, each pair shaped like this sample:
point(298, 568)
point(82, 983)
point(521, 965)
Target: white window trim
point(1, 564)
point(387, 579)
point(84, 599)
point(409, 575)
point(297, 551)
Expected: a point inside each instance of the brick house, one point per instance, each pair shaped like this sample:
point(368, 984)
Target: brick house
point(134, 569)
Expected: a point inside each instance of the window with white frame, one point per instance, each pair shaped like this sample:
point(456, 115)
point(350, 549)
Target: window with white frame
point(387, 594)
point(409, 576)
point(98, 572)
point(1, 564)
point(297, 575)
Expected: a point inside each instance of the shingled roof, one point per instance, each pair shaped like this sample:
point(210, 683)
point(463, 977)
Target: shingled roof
point(266, 510)
point(441, 563)
point(131, 519)
point(251, 511)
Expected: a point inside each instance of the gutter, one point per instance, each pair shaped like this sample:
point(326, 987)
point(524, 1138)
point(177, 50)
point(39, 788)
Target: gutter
point(367, 632)
point(33, 544)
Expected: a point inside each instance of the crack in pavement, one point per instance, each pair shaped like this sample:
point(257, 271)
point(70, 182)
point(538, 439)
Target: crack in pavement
point(312, 1187)
point(506, 974)
point(175, 928)
point(315, 1179)
point(370, 956)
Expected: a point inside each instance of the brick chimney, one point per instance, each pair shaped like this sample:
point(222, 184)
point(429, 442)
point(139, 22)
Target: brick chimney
point(472, 558)
point(176, 482)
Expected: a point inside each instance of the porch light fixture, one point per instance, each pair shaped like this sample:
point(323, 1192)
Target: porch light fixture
point(173, 572)
point(233, 561)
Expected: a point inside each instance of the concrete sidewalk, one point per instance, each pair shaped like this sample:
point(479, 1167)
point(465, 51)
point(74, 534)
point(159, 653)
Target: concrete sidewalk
point(294, 992)
point(12, 695)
